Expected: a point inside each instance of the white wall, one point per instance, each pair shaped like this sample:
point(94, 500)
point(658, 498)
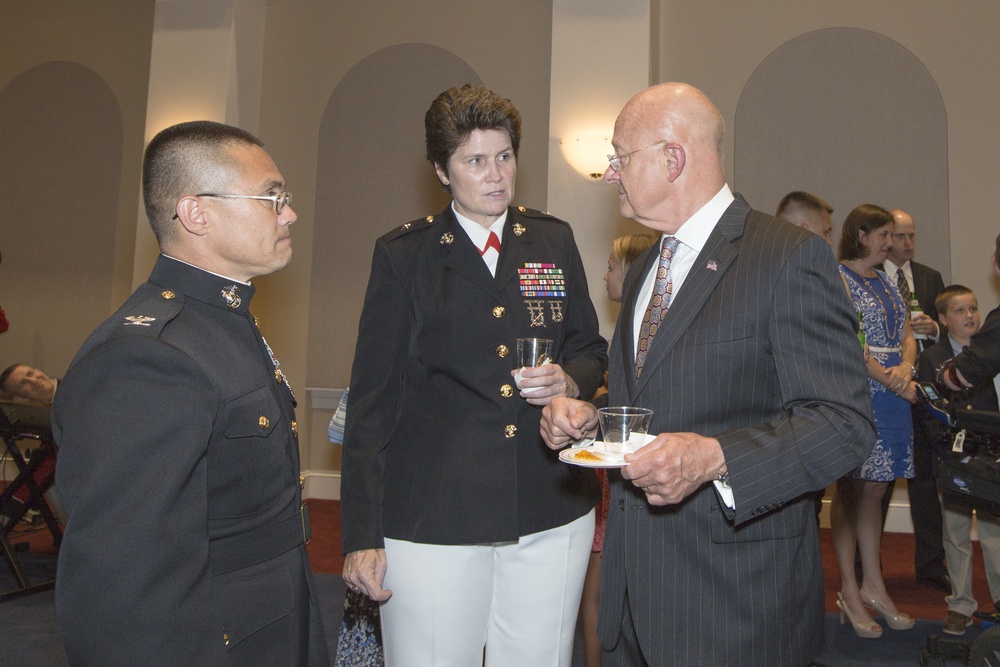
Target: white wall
point(600, 58)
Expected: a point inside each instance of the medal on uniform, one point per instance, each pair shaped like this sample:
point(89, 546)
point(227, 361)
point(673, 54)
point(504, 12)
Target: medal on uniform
point(539, 279)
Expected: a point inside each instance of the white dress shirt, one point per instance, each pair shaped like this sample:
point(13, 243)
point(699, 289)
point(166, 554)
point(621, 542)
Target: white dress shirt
point(479, 235)
point(691, 237)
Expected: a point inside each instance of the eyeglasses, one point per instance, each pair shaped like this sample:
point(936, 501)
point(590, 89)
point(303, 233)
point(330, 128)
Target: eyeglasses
point(616, 160)
point(280, 200)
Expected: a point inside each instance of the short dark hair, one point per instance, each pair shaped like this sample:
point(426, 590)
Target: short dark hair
point(865, 218)
point(6, 376)
point(803, 199)
point(176, 162)
point(456, 112)
point(942, 300)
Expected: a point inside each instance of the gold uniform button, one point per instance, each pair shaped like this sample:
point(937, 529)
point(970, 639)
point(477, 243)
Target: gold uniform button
point(167, 294)
point(225, 638)
point(509, 431)
point(502, 351)
point(277, 376)
point(263, 422)
point(295, 428)
point(506, 391)
point(498, 311)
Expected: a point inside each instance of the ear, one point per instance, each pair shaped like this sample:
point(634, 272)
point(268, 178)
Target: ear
point(191, 215)
point(676, 159)
point(996, 268)
point(442, 175)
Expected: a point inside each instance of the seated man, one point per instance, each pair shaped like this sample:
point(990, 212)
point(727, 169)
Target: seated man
point(28, 383)
point(958, 310)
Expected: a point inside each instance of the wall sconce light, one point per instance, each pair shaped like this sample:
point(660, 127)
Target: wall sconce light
point(588, 154)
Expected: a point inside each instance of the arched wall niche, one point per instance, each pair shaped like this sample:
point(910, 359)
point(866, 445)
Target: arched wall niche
point(371, 139)
point(854, 117)
point(61, 138)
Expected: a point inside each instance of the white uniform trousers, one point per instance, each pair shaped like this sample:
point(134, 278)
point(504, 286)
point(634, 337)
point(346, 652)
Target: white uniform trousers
point(956, 530)
point(518, 599)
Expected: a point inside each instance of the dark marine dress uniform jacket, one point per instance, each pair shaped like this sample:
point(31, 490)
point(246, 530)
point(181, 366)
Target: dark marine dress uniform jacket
point(179, 467)
point(440, 448)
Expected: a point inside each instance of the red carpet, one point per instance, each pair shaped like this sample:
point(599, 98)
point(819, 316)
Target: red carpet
point(897, 557)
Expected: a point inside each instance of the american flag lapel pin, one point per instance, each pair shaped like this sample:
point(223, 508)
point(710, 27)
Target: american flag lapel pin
point(712, 265)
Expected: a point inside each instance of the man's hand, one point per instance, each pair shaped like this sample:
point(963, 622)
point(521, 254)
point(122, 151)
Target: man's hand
point(674, 465)
point(566, 420)
point(922, 323)
point(364, 571)
point(551, 381)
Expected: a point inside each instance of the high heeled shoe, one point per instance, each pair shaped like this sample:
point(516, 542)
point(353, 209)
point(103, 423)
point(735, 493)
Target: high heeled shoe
point(869, 630)
point(898, 621)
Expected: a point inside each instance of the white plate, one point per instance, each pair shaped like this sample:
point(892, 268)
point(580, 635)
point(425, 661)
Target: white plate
point(596, 455)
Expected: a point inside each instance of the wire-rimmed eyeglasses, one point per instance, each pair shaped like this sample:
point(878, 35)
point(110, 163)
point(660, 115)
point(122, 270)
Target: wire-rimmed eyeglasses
point(280, 200)
point(616, 160)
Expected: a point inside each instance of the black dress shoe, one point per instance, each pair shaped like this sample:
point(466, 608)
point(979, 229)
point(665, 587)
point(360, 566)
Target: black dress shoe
point(941, 582)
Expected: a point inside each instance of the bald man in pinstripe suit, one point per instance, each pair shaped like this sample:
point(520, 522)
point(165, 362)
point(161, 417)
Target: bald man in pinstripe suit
point(757, 382)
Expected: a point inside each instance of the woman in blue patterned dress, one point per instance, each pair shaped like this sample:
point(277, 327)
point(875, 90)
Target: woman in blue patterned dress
point(890, 353)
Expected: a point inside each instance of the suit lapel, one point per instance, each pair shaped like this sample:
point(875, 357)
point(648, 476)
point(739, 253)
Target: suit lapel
point(626, 316)
point(707, 271)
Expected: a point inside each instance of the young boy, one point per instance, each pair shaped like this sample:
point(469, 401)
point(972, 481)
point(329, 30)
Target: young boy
point(958, 310)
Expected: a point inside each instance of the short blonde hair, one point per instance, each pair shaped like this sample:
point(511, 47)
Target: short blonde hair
point(628, 248)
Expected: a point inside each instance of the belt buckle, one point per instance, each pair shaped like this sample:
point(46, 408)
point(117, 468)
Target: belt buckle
point(306, 528)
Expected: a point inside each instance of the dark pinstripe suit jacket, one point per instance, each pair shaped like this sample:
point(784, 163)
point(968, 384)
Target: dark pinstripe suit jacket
point(760, 353)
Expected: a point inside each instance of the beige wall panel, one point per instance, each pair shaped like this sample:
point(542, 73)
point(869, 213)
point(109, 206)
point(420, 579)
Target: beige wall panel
point(61, 142)
point(110, 40)
point(309, 47)
point(868, 126)
point(373, 129)
point(717, 45)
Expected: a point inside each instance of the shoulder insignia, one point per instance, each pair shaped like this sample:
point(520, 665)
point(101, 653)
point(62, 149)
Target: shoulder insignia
point(148, 317)
point(411, 226)
point(540, 215)
point(518, 229)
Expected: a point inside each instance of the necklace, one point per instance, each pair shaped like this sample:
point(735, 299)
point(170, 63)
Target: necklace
point(885, 313)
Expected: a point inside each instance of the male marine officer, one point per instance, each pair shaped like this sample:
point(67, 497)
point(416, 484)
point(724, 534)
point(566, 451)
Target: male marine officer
point(178, 459)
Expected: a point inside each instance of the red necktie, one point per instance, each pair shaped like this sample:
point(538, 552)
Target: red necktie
point(659, 302)
point(492, 242)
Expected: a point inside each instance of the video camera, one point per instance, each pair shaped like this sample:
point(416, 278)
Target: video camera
point(971, 477)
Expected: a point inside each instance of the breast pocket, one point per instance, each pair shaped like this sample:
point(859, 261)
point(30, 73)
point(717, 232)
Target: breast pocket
point(244, 465)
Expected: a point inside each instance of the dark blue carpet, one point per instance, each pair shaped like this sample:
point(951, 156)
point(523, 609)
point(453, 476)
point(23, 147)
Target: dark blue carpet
point(29, 638)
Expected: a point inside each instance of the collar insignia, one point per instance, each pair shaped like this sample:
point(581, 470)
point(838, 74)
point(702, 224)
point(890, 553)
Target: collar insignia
point(139, 320)
point(518, 229)
point(447, 238)
point(232, 296)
